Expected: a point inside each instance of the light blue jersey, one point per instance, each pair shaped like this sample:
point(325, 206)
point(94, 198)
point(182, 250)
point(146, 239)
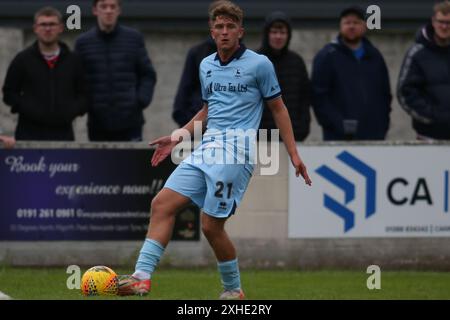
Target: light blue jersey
point(235, 91)
point(235, 94)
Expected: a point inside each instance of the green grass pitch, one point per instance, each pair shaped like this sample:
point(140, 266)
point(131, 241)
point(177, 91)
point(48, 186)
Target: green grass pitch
point(187, 284)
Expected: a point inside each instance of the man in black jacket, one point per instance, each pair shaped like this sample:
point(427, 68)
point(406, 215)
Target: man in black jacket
point(424, 82)
point(119, 73)
point(351, 91)
point(188, 99)
point(291, 72)
point(45, 83)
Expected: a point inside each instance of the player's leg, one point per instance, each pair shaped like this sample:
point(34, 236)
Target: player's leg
point(185, 184)
point(226, 185)
point(164, 208)
point(214, 230)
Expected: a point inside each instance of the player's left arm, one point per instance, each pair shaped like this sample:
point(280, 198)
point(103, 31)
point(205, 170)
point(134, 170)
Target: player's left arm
point(283, 122)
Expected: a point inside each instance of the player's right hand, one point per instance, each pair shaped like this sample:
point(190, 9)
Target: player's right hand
point(8, 142)
point(164, 148)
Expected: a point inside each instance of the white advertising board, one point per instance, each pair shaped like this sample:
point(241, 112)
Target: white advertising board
point(371, 191)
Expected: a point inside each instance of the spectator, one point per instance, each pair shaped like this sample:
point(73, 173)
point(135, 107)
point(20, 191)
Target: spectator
point(188, 99)
point(424, 83)
point(291, 72)
point(45, 83)
point(351, 91)
point(120, 75)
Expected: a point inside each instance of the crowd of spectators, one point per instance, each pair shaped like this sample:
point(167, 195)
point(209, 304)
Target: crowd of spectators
point(110, 76)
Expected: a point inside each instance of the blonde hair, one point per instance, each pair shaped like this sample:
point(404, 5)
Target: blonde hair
point(214, 4)
point(228, 9)
point(442, 7)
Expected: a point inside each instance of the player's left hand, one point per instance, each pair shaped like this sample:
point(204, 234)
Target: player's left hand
point(300, 169)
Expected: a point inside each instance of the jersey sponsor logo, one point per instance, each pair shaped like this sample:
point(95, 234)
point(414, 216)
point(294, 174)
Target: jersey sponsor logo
point(227, 87)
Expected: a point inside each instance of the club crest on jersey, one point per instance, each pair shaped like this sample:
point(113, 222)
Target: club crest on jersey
point(222, 205)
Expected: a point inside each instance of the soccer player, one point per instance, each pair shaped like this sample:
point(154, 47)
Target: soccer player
point(234, 83)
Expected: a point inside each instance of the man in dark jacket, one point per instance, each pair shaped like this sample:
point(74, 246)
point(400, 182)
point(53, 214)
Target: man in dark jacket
point(351, 91)
point(45, 83)
point(119, 73)
point(291, 72)
point(188, 99)
point(424, 82)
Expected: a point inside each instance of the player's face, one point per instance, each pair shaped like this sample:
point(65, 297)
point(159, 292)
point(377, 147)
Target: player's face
point(352, 28)
point(226, 33)
point(48, 29)
point(441, 25)
point(278, 37)
point(107, 13)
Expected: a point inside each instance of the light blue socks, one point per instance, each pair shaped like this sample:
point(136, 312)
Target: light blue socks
point(149, 257)
point(229, 271)
point(152, 251)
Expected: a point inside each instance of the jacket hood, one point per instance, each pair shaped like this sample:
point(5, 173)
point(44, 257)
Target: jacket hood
point(425, 36)
point(276, 16)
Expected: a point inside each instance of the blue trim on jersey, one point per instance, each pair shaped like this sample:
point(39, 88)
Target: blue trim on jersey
point(236, 55)
point(273, 97)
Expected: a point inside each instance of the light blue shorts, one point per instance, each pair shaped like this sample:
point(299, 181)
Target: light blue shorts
point(217, 189)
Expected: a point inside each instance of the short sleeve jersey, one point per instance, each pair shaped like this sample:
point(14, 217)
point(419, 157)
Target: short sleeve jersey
point(235, 91)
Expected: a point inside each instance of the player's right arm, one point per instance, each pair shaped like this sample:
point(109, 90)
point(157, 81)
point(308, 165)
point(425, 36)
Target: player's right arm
point(167, 143)
point(199, 118)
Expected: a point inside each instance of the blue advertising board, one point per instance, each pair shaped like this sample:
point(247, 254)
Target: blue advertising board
point(83, 194)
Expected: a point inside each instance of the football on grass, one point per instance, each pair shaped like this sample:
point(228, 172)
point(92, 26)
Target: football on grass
point(99, 281)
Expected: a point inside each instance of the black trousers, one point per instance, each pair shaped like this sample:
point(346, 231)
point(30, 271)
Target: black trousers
point(27, 130)
point(131, 134)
